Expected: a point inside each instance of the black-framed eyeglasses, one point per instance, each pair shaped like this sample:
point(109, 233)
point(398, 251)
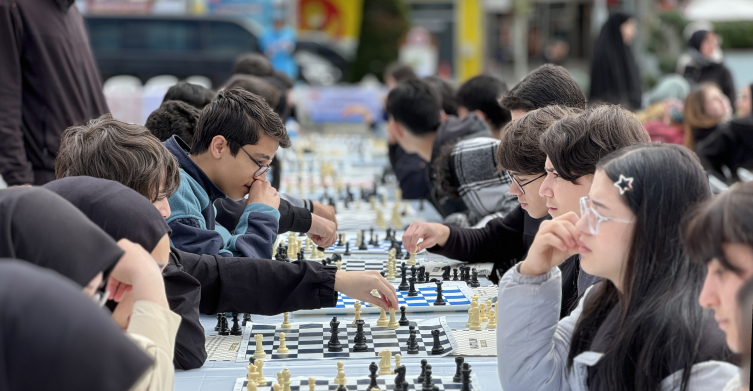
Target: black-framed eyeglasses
point(520, 185)
point(262, 168)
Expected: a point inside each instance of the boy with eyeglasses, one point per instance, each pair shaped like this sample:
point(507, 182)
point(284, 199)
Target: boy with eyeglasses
point(235, 141)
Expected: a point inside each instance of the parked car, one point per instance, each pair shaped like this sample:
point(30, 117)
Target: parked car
point(145, 46)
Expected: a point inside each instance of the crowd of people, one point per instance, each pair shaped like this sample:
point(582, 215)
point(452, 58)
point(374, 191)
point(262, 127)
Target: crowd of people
point(617, 268)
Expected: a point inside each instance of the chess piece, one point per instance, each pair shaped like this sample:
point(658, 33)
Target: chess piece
point(340, 378)
point(380, 220)
point(437, 346)
point(474, 317)
point(224, 329)
point(455, 274)
point(251, 368)
point(382, 321)
point(339, 265)
point(446, 273)
point(347, 249)
point(259, 352)
point(412, 259)
point(219, 322)
point(362, 245)
point(492, 320)
point(482, 313)
point(308, 244)
point(282, 349)
point(428, 383)
point(286, 380)
point(403, 320)
point(276, 387)
point(371, 237)
point(246, 319)
point(423, 370)
point(474, 279)
point(398, 357)
point(412, 292)
point(421, 270)
point(334, 343)
point(458, 364)
point(412, 271)
point(392, 325)
point(312, 384)
point(412, 344)
point(359, 339)
point(357, 306)
point(251, 385)
point(466, 372)
point(259, 369)
point(385, 363)
point(440, 299)
point(373, 376)
point(376, 240)
point(400, 378)
point(285, 322)
point(340, 242)
point(390, 270)
point(403, 283)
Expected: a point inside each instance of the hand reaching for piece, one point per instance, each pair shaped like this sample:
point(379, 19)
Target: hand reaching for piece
point(358, 285)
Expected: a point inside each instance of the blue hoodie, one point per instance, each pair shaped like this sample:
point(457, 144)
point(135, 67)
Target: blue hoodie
point(193, 214)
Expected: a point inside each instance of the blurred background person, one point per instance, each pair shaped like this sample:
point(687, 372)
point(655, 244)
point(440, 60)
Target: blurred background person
point(744, 103)
point(615, 77)
point(663, 116)
point(706, 63)
point(706, 107)
point(278, 44)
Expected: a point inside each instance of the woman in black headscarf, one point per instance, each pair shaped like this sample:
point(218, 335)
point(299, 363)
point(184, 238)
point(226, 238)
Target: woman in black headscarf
point(143, 311)
point(615, 77)
point(85, 351)
point(706, 63)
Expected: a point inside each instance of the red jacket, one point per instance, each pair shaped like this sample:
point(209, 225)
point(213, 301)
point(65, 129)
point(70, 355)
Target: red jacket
point(48, 82)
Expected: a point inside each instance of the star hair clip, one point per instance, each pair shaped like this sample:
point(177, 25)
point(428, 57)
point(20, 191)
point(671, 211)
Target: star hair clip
point(624, 184)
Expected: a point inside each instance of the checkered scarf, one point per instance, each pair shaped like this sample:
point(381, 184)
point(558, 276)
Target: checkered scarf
point(482, 187)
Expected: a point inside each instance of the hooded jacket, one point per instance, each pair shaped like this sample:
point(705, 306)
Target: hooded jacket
point(49, 81)
point(701, 69)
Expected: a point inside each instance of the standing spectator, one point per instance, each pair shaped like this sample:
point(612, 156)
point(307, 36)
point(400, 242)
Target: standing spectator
point(615, 77)
point(705, 109)
point(278, 44)
point(706, 64)
point(49, 81)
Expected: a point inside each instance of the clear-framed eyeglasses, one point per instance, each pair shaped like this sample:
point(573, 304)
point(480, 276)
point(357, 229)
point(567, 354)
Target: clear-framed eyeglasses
point(594, 219)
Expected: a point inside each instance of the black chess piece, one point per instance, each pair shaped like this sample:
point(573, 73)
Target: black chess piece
point(440, 299)
point(403, 320)
point(405, 385)
point(428, 383)
point(236, 330)
point(224, 330)
point(455, 274)
point(427, 278)
point(388, 234)
point(347, 249)
point(334, 343)
point(399, 248)
point(399, 378)
point(219, 323)
point(421, 377)
point(421, 270)
point(363, 246)
point(373, 368)
point(246, 319)
point(360, 339)
point(466, 371)
point(341, 387)
point(459, 364)
point(371, 238)
point(340, 241)
point(437, 348)
point(324, 262)
point(412, 343)
point(413, 271)
point(446, 273)
point(412, 292)
point(376, 240)
point(474, 279)
point(403, 283)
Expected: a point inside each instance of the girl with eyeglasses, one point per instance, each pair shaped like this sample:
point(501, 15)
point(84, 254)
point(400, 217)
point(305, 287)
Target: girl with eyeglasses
point(640, 327)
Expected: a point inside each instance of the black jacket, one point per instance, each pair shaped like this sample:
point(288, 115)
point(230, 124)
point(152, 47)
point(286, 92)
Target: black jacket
point(292, 218)
point(714, 72)
point(244, 285)
point(731, 145)
point(410, 171)
point(48, 82)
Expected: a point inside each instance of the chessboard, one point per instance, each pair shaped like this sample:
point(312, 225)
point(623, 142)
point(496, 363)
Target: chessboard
point(435, 267)
point(478, 343)
point(362, 263)
point(339, 247)
point(222, 347)
point(361, 383)
point(307, 341)
point(487, 293)
point(457, 295)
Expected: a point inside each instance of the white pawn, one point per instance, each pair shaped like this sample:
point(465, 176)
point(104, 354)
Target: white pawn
point(482, 312)
point(340, 373)
point(285, 322)
point(398, 357)
point(282, 349)
point(382, 321)
point(312, 384)
point(251, 385)
point(357, 305)
point(393, 324)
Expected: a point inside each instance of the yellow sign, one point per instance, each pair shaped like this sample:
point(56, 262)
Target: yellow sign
point(336, 18)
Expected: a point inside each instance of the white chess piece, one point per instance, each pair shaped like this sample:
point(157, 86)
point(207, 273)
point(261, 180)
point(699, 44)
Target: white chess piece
point(312, 384)
point(357, 305)
point(251, 385)
point(260, 380)
point(259, 352)
point(412, 259)
point(474, 317)
point(398, 357)
point(393, 324)
point(285, 322)
point(282, 349)
point(385, 363)
point(382, 321)
point(286, 380)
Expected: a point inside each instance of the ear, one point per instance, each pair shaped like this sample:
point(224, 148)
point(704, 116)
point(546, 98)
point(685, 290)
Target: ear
point(218, 146)
point(397, 128)
point(480, 114)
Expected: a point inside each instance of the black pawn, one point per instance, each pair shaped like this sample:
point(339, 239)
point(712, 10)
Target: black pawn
point(459, 364)
point(347, 249)
point(437, 348)
point(454, 274)
point(440, 299)
point(403, 320)
point(219, 323)
point(428, 383)
point(423, 370)
point(373, 368)
point(412, 344)
point(376, 240)
point(466, 371)
point(360, 339)
point(403, 283)
point(446, 273)
point(412, 292)
point(236, 330)
point(334, 343)
point(340, 241)
point(341, 387)
point(224, 330)
point(363, 246)
point(246, 318)
point(371, 240)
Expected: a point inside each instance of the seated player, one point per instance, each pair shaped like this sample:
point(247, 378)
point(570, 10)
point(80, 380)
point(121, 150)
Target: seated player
point(639, 328)
point(447, 94)
point(72, 245)
point(50, 327)
point(414, 110)
point(545, 86)
point(235, 140)
point(193, 94)
point(480, 95)
point(129, 154)
point(718, 236)
point(173, 117)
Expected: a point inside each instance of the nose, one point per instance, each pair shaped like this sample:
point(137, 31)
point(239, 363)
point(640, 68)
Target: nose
point(708, 297)
point(515, 189)
point(546, 187)
point(163, 207)
point(582, 225)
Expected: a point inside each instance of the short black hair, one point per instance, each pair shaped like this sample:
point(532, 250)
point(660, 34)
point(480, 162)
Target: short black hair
point(545, 86)
point(253, 64)
point(240, 117)
point(284, 79)
point(576, 143)
point(400, 72)
point(414, 104)
point(255, 85)
point(447, 92)
point(482, 93)
point(193, 94)
point(173, 117)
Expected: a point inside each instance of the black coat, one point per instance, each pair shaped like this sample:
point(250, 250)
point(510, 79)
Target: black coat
point(731, 145)
point(715, 73)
